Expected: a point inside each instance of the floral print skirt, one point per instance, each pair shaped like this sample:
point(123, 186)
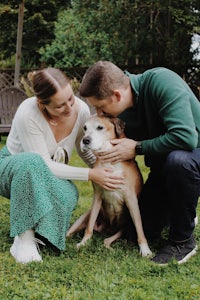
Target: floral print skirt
point(38, 199)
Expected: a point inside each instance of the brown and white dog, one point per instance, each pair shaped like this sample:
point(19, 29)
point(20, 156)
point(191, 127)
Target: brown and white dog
point(111, 209)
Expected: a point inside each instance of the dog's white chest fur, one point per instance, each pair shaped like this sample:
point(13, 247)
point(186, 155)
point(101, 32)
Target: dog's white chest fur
point(113, 201)
point(113, 205)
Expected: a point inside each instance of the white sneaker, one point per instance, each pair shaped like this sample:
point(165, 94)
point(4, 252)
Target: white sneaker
point(25, 248)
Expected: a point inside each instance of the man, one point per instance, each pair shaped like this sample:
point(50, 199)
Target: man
point(162, 117)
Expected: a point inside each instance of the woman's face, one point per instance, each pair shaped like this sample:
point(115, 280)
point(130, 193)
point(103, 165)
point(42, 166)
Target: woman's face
point(62, 103)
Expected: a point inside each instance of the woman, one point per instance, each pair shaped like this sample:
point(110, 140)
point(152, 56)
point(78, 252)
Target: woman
point(33, 164)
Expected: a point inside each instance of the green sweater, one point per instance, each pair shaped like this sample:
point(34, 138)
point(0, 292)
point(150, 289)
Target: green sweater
point(165, 116)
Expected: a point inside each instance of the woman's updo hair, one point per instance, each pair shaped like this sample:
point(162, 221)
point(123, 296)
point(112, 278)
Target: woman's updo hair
point(47, 82)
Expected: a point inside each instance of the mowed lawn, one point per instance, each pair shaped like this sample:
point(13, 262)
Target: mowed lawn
point(94, 272)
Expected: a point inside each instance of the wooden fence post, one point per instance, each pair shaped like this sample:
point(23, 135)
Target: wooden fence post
point(19, 43)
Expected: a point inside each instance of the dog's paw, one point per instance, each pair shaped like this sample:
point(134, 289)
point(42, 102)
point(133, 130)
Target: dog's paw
point(145, 250)
point(85, 240)
point(107, 244)
point(83, 243)
point(69, 234)
point(79, 245)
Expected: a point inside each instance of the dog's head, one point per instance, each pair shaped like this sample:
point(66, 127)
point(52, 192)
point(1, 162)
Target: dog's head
point(99, 131)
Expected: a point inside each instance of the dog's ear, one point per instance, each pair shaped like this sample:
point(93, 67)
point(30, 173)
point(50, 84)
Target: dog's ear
point(119, 126)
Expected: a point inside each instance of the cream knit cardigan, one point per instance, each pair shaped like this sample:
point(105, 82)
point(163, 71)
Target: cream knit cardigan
point(30, 132)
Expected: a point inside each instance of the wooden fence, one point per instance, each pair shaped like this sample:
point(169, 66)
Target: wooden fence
point(190, 74)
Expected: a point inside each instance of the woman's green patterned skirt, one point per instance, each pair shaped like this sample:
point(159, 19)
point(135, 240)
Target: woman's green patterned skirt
point(38, 199)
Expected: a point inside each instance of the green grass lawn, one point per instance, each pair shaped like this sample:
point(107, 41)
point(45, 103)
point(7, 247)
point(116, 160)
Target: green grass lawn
point(94, 272)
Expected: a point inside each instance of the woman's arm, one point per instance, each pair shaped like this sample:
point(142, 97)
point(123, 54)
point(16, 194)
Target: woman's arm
point(31, 135)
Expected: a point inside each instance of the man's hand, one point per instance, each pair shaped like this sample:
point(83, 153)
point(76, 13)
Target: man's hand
point(124, 149)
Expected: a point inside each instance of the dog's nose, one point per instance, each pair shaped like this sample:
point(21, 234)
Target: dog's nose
point(86, 140)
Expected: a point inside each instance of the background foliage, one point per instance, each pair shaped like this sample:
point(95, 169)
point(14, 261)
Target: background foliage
point(39, 18)
point(77, 33)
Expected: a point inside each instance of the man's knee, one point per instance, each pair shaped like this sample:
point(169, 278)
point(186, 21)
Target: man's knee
point(179, 162)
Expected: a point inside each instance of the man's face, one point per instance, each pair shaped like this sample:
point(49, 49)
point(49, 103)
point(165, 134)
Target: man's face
point(110, 106)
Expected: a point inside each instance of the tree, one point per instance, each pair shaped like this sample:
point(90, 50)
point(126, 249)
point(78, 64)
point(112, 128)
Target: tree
point(126, 32)
point(74, 45)
point(39, 18)
point(77, 33)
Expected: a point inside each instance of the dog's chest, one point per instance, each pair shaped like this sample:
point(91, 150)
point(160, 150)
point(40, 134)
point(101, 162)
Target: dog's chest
point(113, 205)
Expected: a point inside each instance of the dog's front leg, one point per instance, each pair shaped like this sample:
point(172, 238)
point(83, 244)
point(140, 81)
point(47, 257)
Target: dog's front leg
point(96, 206)
point(136, 217)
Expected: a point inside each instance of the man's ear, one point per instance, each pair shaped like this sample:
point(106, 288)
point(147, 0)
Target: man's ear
point(117, 95)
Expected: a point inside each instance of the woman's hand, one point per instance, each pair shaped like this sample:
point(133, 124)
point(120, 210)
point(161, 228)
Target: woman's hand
point(124, 149)
point(108, 178)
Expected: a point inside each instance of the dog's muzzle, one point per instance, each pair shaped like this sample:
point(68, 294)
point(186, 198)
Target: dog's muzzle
point(86, 141)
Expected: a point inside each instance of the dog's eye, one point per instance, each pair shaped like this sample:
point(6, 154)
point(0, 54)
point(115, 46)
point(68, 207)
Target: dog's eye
point(99, 127)
point(85, 128)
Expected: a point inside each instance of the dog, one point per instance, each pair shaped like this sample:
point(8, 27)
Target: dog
point(111, 209)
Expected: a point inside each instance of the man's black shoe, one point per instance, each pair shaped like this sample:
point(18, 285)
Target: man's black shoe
point(180, 252)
